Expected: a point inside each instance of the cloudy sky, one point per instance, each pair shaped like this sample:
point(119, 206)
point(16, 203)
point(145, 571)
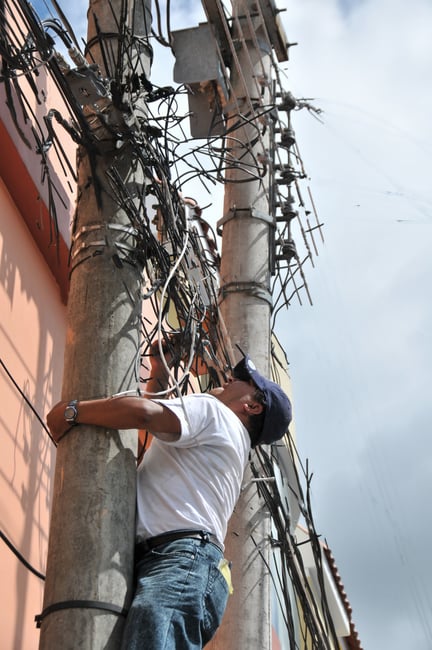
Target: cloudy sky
point(361, 356)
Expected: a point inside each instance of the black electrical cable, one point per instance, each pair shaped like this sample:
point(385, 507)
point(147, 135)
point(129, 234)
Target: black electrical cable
point(321, 631)
point(20, 557)
point(161, 153)
point(27, 401)
point(216, 166)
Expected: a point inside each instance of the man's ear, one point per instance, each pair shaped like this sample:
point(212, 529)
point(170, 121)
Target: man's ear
point(252, 407)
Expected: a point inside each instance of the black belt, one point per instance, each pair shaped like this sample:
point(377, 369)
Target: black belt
point(147, 544)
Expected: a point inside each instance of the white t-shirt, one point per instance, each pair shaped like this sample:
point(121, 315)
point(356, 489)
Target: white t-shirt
point(193, 483)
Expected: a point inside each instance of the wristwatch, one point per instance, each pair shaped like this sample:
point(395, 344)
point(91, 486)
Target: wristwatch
point(71, 412)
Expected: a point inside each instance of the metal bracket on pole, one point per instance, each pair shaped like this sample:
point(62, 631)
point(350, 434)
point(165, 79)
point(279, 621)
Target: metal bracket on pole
point(263, 479)
point(258, 214)
point(106, 228)
point(275, 29)
point(255, 289)
point(235, 212)
point(217, 18)
point(109, 238)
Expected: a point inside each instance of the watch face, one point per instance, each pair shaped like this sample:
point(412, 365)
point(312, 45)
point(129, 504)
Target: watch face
point(70, 414)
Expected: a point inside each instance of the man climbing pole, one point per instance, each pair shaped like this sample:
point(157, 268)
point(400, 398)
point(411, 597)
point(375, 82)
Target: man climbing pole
point(187, 486)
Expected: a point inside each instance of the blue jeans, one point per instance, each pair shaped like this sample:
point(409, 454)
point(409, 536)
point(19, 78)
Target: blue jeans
point(180, 597)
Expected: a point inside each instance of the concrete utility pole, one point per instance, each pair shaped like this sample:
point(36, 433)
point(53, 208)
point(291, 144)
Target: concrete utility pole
point(90, 556)
point(246, 307)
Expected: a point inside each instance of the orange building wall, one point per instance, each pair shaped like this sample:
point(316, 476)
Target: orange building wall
point(32, 333)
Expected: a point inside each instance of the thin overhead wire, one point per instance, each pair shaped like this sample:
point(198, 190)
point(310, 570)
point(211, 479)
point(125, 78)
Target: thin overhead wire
point(174, 244)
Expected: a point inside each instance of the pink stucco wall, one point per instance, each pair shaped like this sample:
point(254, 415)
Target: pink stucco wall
point(32, 332)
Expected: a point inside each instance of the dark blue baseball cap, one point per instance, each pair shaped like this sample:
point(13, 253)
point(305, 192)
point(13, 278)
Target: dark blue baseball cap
point(278, 411)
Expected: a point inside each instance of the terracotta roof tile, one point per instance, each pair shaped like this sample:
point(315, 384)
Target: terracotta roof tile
point(353, 641)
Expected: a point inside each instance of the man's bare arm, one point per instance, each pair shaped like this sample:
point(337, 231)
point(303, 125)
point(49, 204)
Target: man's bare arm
point(123, 412)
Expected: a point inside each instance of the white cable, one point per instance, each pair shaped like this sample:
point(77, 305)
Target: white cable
point(162, 356)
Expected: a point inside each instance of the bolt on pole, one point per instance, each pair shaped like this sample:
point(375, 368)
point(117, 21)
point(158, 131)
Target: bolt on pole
point(90, 555)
